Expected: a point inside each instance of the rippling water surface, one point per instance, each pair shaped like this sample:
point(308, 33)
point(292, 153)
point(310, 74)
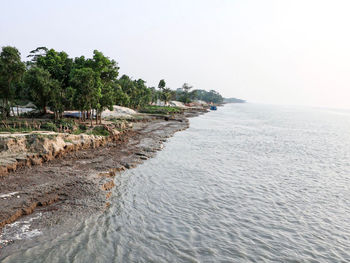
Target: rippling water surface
point(247, 183)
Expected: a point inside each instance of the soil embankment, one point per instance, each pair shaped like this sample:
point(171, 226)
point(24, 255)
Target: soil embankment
point(79, 183)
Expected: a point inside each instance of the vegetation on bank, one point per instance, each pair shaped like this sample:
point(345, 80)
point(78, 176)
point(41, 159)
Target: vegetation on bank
point(14, 125)
point(99, 130)
point(52, 80)
point(152, 109)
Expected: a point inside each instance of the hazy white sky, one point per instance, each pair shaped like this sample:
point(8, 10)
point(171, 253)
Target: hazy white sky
point(269, 51)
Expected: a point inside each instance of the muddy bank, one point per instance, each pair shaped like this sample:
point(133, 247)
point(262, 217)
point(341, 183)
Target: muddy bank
point(28, 149)
point(62, 192)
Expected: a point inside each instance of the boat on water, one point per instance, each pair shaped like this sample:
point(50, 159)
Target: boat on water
point(213, 107)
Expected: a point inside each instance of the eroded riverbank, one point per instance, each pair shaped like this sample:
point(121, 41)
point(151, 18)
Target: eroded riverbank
point(64, 191)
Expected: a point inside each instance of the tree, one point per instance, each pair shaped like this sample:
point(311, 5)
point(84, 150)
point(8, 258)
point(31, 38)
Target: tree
point(59, 65)
point(161, 84)
point(193, 95)
point(207, 96)
point(11, 72)
point(155, 94)
point(56, 103)
point(106, 100)
point(161, 87)
point(121, 98)
point(186, 88)
point(87, 90)
point(184, 93)
point(130, 88)
point(136, 90)
point(38, 52)
point(40, 85)
point(167, 93)
point(107, 72)
point(143, 94)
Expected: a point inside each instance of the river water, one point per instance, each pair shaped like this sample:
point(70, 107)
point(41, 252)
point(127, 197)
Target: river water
point(246, 183)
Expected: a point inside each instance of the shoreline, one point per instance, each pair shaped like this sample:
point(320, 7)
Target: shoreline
point(63, 191)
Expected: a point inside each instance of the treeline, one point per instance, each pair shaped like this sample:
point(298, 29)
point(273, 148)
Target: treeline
point(51, 79)
point(233, 100)
point(185, 94)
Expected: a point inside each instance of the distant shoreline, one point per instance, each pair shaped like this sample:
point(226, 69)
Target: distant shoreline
point(234, 100)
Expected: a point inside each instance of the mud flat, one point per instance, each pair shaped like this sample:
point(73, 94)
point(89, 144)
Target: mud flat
point(59, 193)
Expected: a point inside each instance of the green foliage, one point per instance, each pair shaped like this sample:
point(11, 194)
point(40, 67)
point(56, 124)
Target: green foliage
point(163, 94)
point(34, 54)
point(107, 72)
point(183, 94)
point(87, 86)
point(121, 98)
point(82, 127)
point(16, 130)
point(234, 100)
point(137, 92)
point(160, 110)
point(59, 65)
point(78, 131)
point(65, 124)
point(52, 80)
point(49, 126)
point(99, 131)
point(41, 86)
point(11, 72)
point(166, 95)
point(208, 96)
point(161, 84)
point(155, 94)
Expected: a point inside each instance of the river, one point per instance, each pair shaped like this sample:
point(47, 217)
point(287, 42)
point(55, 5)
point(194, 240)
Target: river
point(245, 183)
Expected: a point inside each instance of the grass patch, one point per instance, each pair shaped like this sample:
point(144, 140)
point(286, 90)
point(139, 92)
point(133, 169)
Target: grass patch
point(78, 131)
point(13, 125)
point(49, 126)
point(152, 109)
point(15, 130)
point(99, 131)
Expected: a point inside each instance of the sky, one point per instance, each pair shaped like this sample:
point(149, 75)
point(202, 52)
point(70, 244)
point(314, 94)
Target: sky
point(292, 52)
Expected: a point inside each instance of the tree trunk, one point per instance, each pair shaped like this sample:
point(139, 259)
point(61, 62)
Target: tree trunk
point(91, 117)
point(13, 111)
point(96, 116)
point(6, 109)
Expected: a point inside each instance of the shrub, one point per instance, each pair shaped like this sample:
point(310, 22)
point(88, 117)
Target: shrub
point(99, 130)
point(49, 126)
point(65, 123)
point(82, 127)
point(151, 109)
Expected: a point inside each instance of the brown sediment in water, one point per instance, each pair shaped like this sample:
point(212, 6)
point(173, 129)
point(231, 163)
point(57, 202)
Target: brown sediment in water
point(80, 181)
